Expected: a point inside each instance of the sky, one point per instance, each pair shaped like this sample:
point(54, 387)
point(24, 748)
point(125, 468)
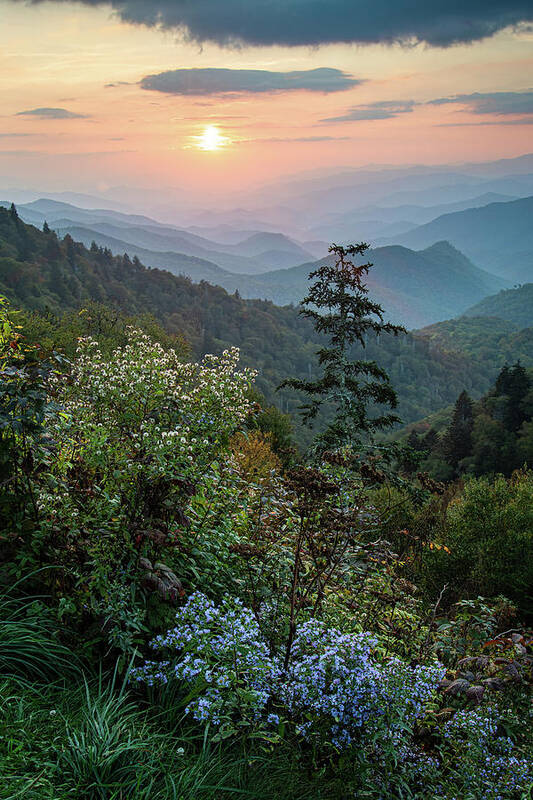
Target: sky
point(217, 96)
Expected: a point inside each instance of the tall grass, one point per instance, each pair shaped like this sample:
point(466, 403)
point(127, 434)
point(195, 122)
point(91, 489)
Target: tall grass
point(92, 741)
point(111, 748)
point(67, 735)
point(29, 645)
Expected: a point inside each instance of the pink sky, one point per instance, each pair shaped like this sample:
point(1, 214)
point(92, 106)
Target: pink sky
point(62, 56)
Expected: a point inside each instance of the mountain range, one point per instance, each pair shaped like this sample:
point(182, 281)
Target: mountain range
point(498, 236)
point(416, 286)
point(428, 368)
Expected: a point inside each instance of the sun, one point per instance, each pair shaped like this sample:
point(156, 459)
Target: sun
point(210, 139)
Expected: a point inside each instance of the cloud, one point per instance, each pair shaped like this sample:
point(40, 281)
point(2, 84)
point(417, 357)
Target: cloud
point(29, 153)
point(499, 103)
point(384, 109)
point(214, 81)
point(496, 103)
point(284, 140)
point(314, 22)
point(521, 121)
point(50, 113)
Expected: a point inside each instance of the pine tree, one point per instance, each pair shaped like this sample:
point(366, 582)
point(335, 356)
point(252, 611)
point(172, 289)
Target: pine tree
point(502, 381)
point(413, 441)
point(517, 389)
point(339, 307)
point(431, 441)
point(71, 250)
point(52, 250)
point(46, 227)
point(457, 442)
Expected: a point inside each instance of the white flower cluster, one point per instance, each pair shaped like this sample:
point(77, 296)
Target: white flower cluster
point(156, 409)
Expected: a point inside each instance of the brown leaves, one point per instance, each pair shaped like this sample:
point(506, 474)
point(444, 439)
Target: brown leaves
point(160, 578)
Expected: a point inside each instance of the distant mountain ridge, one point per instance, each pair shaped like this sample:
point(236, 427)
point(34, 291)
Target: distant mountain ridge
point(256, 253)
point(497, 237)
point(416, 288)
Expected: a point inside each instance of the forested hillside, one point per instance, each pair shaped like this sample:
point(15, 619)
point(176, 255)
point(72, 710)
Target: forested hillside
point(513, 305)
point(38, 272)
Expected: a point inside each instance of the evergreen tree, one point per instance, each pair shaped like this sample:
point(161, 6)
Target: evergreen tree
point(46, 227)
point(52, 250)
point(71, 250)
point(493, 447)
point(431, 441)
point(339, 307)
point(457, 442)
point(13, 212)
point(413, 441)
point(516, 390)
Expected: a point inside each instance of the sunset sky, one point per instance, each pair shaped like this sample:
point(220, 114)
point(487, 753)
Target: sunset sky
point(95, 96)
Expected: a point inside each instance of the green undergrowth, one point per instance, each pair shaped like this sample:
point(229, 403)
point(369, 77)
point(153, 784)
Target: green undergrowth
point(92, 740)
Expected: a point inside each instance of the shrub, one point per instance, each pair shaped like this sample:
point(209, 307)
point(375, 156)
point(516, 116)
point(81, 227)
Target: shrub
point(336, 690)
point(139, 435)
point(489, 533)
point(219, 655)
point(341, 693)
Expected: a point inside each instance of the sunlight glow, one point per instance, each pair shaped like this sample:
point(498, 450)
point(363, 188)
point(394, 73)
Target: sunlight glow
point(211, 139)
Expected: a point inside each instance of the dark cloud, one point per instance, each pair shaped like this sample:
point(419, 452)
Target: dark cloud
point(500, 103)
point(213, 81)
point(313, 22)
point(384, 109)
point(50, 113)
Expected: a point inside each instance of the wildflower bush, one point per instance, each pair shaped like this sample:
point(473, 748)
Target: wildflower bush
point(343, 693)
point(218, 653)
point(137, 436)
point(340, 696)
point(336, 689)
